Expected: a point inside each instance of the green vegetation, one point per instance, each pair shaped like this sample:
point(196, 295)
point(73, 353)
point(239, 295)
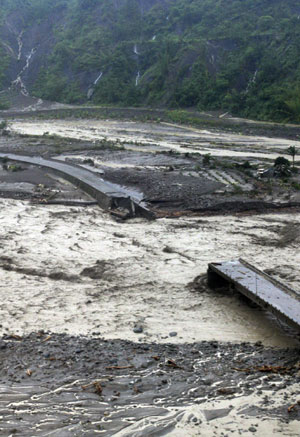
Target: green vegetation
point(4, 104)
point(282, 167)
point(237, 56)
point(15, 167)
point(207, 159)
point(293, 152)
point(295, 185)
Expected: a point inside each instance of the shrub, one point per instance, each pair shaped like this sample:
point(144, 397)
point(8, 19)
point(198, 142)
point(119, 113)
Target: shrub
point(282, 167)
point(296, 185)
point(281, 161)
point(207, 159)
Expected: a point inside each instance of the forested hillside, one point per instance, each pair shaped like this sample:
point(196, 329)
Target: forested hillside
point(241, 56)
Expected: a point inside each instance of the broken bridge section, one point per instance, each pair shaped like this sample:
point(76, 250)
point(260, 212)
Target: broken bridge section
point(270, 294)
point(105, 193)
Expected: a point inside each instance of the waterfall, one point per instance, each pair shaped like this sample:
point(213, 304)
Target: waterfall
point(137, 79)
point(98, 78)
point(91, 89)
point(28, 60)
point(252, 81)
point(18, 82)
point(138, 75)
point(154, 38)
point(135, 51)
point(254, 76)
point(20, 45)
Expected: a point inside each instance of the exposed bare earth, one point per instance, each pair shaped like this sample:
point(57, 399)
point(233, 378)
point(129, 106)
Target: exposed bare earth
point(166, 162)
point(75, 386)
point(163, 136)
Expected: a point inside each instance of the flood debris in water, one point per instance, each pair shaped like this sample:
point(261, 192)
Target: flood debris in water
point(126, 342)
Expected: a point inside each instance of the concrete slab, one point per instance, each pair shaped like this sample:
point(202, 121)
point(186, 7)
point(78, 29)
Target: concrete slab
point(281, 300)
point(106, 194)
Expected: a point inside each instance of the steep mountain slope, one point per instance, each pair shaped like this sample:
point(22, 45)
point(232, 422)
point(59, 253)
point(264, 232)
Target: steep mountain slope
point(241, 56)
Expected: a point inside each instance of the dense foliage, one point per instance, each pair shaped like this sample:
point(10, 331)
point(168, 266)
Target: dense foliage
point(241, 56)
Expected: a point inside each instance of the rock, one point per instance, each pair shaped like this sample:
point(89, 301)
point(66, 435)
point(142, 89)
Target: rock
point(62, 276)
point(168, 249)
point(216, 414)
point(226, 390)
point(144, 365)
point(89, 161)
point(119, 235)
point(173, 334)
point(138, 329)
point(252, 429)
point(96, 271)
point(207, 381)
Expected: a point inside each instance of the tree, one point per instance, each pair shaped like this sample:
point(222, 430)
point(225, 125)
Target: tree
point(293, 152)
point(282, 167)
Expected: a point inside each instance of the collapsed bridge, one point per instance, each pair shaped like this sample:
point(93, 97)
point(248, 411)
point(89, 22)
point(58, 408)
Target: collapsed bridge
point(282, 301)
point(106, 194)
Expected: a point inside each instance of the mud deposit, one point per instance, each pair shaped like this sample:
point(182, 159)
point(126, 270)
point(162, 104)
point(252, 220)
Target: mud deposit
point(62, 385)
point(164, 136)
point(173, 168)
point(107, 325)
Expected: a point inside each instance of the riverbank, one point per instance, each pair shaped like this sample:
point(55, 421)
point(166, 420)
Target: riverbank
point(67, 385)
point(107, 325)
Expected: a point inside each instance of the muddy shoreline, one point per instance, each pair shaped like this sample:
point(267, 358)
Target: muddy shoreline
point(115, 387)
point(168, 184)
point(175, 169)
point(194, 118)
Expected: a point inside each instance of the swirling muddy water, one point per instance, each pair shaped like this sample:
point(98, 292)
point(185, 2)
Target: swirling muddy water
point(117, 302)
point(78, 271)
point(135, 263)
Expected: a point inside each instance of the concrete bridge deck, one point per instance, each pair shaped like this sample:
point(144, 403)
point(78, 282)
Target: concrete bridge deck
point(281, 300)
point(106, 194)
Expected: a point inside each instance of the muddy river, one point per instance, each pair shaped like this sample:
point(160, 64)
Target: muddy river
point(162, 136)
point(104, 331)
point(129, 267)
